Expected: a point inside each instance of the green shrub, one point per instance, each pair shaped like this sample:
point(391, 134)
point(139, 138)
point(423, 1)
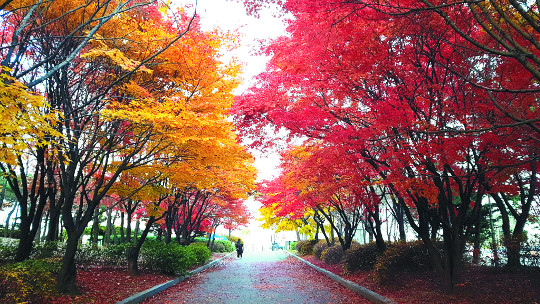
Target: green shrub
point(222, 246)
point(218, 247)
point(167, 258)
point(202, 253)
point(318, 249)
point(31, 281)
point(333, 254)
point(13, 234)
point(47, 250)
point(305, 247)
point(360, 257)
point(402, 256)
point(115, 254)
point(87, 254)
point(8, 249)
point(292, 246)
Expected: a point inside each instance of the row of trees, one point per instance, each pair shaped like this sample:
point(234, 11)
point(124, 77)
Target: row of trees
point(121, 104)
point(425, 106)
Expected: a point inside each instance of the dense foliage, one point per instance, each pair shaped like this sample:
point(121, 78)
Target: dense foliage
point(167, 258)
point(333, 254)
point(319, 248)
point(422, 110)
point(401, 257)
point(117, 108)
point(360, 257)
point(305, 247)
point(30, 281)
point(202, 253)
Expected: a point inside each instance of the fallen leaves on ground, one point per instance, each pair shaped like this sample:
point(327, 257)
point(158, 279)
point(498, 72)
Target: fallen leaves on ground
point(102, 285)
point(480, 285)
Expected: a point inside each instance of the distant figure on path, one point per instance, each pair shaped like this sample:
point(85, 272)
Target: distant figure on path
point(239, 248)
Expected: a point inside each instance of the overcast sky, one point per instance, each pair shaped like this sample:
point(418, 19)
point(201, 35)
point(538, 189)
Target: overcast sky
point(231, 16)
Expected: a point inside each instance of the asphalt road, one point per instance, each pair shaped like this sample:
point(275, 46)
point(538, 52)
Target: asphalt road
point(259, 277)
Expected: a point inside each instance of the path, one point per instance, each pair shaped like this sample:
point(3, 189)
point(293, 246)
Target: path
point(259, 277)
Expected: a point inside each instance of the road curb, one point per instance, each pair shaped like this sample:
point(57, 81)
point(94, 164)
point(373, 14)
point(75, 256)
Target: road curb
point(145, 294)
point(366, 293)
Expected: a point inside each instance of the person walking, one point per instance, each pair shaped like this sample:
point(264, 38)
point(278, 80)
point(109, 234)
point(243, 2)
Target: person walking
point(239, 248)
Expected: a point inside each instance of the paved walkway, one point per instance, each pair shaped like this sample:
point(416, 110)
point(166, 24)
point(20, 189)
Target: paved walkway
point(259, 277)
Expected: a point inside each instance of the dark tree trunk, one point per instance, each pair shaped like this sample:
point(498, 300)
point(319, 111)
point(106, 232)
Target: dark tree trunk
point(95, 228)
point(68, 273)
point(320, 222)
point(25, 247)
point(476, 241)
point(108, 228)
point(513, 239)
point(122, 237)
point(375, 227)
point(45, 226)
point(55, 204)
point(137, 227)
point(133, 253)
point(128, 227)
point(400, 219)
point(6, 229)
point(513, 248)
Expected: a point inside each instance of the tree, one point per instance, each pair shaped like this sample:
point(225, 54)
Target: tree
point(27, 124)
point(378, 96)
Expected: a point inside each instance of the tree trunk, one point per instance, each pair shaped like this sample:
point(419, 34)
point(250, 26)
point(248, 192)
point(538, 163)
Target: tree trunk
point(3, 194)
point(513, 248)
point(317, 233)
point(45, 226)
point(54, 219)
point(66, 278)
point(476, 242)
point(95, 228)
point(452, 261)
point(133, 251)
point(113, 228)
point(38, 233)
point(137, 228)
point(128, 223)
point(159, 234)
point(12, 231)
point(6, 228)
point(122, 238)
point(24, 248)
point(376, 229)
point(400, 219)
point(108, 228)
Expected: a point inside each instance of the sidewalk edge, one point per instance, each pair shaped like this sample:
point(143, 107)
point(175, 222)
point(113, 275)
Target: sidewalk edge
point(366, 293)
point(145, 294)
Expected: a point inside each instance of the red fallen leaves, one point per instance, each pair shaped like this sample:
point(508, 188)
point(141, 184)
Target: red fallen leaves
point(481, 285)
point(110, 285)
point(308, 275)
